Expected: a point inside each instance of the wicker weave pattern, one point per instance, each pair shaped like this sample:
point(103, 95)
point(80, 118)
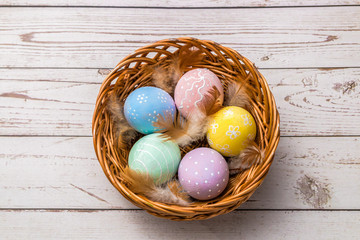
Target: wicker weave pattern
point(226, 64)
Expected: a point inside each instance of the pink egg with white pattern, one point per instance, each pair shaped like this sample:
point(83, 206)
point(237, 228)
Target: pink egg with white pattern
point(203, 173)
point(192, 87)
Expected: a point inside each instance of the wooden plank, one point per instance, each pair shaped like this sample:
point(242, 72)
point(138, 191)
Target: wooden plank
point(180, 4)
point(140, 225)
point(55, 173)
point(101, 37)
point(317, 101)
point(48, 101)
point(61, 101)
point(63, 172)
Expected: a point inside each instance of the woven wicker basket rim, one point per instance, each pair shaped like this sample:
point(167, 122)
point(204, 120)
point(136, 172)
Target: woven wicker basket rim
point(227, 64)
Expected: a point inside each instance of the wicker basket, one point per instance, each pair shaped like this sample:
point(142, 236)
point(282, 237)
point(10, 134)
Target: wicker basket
point(226, 64)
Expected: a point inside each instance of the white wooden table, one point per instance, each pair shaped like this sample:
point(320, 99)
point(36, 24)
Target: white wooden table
point(55, 54)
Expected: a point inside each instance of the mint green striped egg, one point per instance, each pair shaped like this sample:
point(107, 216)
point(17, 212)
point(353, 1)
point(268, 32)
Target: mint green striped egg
point(155, 157)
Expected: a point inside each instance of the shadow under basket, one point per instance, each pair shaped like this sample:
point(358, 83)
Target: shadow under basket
point(228, 65)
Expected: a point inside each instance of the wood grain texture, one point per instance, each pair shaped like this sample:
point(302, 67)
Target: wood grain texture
point(139, 225)
point(100, 37)
point(321, 102)
point(54, 173)
point(48, 101)
point(181, 4)
point(63, 172)
point(318, 101)
point(53, 60)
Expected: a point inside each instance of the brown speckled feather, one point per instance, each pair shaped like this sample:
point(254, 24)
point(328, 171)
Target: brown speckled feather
point(125, 135)
point(237, 94)
point(251, 155)
point(167, 75)
point(140, 183)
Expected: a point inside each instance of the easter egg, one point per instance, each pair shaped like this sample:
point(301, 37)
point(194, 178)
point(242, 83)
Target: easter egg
point(191, 88)
point(144, 105)
point(155, 157)
point(203, 173)
point(230, 129)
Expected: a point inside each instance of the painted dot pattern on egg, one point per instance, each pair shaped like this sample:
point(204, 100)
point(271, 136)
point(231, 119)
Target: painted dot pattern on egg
point(192, 87)
point(207, 173)
point(143, 107)
point(156, 158)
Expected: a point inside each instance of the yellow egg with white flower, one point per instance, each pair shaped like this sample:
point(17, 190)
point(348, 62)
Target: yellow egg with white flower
point(230, 129)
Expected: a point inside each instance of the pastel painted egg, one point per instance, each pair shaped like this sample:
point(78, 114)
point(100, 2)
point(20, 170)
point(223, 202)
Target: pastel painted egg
point(230, 129)
point(203, 173)
point(155, 157)
point(191, 88)
point(144, 105)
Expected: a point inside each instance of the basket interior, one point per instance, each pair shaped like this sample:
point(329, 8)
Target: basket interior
point(132, 73)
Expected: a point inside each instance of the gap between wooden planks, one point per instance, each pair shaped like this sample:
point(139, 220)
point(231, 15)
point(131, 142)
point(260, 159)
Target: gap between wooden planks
point(100, 37)
point(140, 225)
point(63, 172)
point(311, 102)
point(181, 4)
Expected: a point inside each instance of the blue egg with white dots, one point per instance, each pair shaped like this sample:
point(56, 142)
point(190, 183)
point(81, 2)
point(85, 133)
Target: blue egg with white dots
point(144, 105)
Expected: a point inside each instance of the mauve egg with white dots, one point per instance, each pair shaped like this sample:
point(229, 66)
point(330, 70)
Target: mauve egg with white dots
point(144, 105)
point(203, 173)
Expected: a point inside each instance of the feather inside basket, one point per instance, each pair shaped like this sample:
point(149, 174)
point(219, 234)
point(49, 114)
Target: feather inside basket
point(138, 69)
